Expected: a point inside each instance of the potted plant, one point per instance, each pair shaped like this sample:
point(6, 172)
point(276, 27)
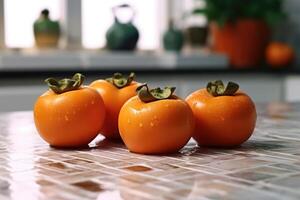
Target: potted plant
point(242, 29)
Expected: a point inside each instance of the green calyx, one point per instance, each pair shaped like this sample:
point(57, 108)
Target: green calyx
point(121, 81)
point(66, 84)
point(149, 95)
point(217, 88)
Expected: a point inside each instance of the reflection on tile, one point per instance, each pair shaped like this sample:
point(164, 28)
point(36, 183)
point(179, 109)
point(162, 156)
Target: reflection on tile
point(251, 175)
point(291, 167)
point(4, 187)
point(291, 181)
point(137, 178)
point(42, 182)
point(138, 168)
point(89, 186)
point(85, 175)
point(267, 166)
point(78, 161)
point(62, 167)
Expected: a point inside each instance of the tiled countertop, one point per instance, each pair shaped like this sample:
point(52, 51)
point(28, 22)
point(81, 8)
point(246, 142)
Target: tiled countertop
point(265, 167)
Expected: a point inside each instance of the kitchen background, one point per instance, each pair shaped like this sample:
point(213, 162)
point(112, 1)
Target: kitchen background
point(176, 45)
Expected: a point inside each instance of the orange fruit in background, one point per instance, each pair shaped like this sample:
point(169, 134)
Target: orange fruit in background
point(279, 55)
point(70, 119)
point(157, 127)
point(114, 98)
point(222, 121)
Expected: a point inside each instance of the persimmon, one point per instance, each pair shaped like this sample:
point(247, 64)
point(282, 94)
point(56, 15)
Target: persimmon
point(155, 121)
point(69, 114)
point(225, 116)
point(115, 91)
point(279, 55)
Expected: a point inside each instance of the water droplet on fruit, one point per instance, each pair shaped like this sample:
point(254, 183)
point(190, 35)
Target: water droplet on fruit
point(151, 124)
point(155, 117)
point(66, 118)
point(141, 125)
point(93, 102)
point(128, 121)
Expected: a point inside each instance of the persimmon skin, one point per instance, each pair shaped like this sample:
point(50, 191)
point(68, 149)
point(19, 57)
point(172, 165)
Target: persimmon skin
point(223, 121)
point(279, 55)
point(70, 119)
point(158, 127)
point(114, 99)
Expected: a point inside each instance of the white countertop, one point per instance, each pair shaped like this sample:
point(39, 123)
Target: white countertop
point(76, 60)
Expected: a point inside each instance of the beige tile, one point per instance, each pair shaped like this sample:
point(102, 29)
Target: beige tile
point(266, 167)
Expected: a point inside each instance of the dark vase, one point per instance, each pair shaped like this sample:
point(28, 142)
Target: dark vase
point(173, 39)
point(122, 36)
point(196, 35)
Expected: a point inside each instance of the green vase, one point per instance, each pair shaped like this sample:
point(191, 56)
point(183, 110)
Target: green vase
point(46, 31)
point(122, 36)
point(173, 39)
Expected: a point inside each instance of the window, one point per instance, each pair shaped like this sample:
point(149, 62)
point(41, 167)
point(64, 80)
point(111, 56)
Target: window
point(97, 18)
point(20, 16)
point(151, 20)
point(198, 20)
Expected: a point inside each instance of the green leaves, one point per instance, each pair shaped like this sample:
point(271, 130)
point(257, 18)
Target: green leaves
point(121, 81)
point(217, 88)
point(224, 11)
point(65, 85)
point(272, 18)
point(149, 95)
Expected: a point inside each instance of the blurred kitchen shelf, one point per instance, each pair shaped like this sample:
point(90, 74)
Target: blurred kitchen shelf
point(103, 60)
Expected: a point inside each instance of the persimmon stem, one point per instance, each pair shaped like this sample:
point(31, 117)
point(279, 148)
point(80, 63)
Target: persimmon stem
point(65, 85)
point(120, 81)
point(149, 95)
point(217, 88)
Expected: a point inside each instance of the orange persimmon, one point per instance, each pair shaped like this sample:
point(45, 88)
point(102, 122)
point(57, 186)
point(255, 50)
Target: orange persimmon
point(155, 121)
point(225, 117)
point(115, 92)
point(68, 114)
point(279, 55)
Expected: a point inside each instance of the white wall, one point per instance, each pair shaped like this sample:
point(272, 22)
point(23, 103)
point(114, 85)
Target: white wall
point(292, 85)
